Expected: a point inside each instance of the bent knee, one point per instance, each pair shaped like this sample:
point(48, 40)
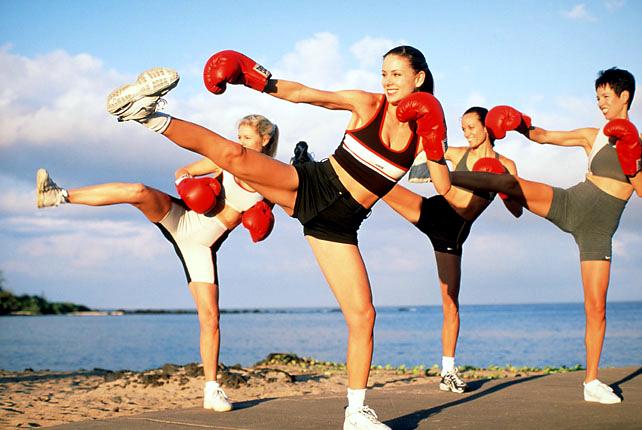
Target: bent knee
point(208, 319)
point(451, 310)
point(595, 310)
point(361, 319)
point(233, 157)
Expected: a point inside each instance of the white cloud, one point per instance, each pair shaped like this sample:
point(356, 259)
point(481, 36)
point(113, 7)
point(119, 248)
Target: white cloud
point(579, 12)
point(17, 196)
point(315, 61)
point(55, 97)
point(613, 5)
point(85, 246)
point(369, 50)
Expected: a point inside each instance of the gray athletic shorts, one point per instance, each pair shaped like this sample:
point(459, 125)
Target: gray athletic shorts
point(590, 215)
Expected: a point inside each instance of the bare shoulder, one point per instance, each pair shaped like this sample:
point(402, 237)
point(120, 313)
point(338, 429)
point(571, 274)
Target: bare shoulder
point(364, 105)
point(508, 163)
point(454, 153)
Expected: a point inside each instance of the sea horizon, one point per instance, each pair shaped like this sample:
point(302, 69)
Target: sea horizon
point(270, 309)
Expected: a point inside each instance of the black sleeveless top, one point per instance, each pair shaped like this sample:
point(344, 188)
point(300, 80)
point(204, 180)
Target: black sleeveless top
point(369, 160)
point(463, 167)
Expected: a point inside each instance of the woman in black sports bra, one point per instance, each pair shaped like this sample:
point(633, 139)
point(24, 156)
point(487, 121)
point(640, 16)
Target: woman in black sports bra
point(590, 210)
point(330, 198)
point(447, 220)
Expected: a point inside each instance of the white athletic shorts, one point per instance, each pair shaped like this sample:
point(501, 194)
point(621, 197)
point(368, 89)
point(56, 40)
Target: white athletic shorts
point(196, 238)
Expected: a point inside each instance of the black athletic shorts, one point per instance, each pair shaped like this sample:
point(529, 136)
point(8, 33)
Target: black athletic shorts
point(324, 207)
point(445, 228)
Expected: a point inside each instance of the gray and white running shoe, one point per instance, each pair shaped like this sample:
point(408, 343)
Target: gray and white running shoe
point(138, 101)
point(47, 192)
point(451, 381)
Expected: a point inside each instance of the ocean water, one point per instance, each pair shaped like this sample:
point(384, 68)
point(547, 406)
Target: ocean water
point(522, 335)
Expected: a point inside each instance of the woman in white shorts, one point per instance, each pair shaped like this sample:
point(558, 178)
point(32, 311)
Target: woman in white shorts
point(196, 237)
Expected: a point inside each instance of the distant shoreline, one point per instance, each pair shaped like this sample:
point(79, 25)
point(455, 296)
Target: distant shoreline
point(290, 310)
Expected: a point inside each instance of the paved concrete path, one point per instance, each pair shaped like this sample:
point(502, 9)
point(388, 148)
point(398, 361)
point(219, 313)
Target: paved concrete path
point(535, 402)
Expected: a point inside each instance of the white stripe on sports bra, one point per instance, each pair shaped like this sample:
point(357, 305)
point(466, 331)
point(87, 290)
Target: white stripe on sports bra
point(372, 160)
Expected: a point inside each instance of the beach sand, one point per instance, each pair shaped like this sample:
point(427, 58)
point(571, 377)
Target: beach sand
point(41, 398)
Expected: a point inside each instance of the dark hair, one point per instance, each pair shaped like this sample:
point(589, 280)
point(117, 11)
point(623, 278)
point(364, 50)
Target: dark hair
point(417, 62)
point(619, 80)
point(480, 111)
point(301, 154)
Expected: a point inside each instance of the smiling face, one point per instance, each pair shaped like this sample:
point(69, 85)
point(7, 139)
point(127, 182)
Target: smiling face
point(473, 129)
point(250, 138)
point(398, 78)
point(610, 104)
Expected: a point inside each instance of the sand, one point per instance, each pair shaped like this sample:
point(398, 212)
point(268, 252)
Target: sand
point(42, 398)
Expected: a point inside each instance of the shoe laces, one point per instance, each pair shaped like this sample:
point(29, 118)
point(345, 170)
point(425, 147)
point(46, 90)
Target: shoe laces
point(603, 387)
point(453, 375)
point(160, 104)
point(50, 185)
point(367, 412)
point(217, 392)
point(148, 110)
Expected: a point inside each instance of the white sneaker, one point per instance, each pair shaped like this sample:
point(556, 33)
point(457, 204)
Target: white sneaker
point(138, 101)
point(596, 391)
point(216, 400)
point(47, 192)
point(363, 419)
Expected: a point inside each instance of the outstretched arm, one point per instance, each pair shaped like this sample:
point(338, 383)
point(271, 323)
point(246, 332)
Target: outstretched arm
point(582, 137)
point(235, 68)
point(295, 92)
point(501, 119)
point(204, 166)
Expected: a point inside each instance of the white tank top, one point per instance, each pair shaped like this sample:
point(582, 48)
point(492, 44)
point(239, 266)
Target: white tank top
point(236, 196)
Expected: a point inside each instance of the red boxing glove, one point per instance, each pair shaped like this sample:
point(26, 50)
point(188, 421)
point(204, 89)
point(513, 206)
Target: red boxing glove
point(490, 165)
point(259, 220)
point(627, 146)
point(234, 68)
point(199, 194)
point(501, 119)
point(426, 111)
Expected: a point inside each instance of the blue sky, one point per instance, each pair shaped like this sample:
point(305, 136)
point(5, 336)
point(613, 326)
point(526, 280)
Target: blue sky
point(58, 61)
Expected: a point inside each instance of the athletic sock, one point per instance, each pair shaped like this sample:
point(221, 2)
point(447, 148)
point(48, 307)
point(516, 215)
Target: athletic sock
point(158, 122)
point(447, 364)
point(356, 398)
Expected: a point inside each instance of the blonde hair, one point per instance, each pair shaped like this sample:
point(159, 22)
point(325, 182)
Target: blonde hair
point(264, 127)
